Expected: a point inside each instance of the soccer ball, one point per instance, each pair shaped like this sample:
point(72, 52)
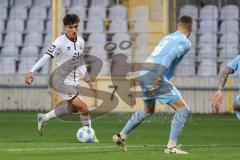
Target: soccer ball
point(85, 135)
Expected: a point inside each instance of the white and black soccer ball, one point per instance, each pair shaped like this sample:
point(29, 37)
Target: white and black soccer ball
point(85, 135)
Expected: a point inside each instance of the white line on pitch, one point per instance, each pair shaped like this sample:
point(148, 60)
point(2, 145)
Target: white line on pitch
point(112, 146)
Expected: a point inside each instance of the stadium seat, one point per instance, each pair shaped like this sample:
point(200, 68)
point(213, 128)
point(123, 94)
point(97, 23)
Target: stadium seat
point(156, 10)
point(224, 63)
point(208, 38)
point(18, 13)
point(229, 12)
point(97, 12)
point(142, 39)
point(8, 65)
point(117, 12)
point(194, 26)
point(97, 39)
point(15, 26)
point(34, 38)
point(141, 54)
point(2, 25)
point(229, 26)
point(208, 26)
point(141, 26)
point(118, 26)
point(80, 3)
point(38, 12)
point(95, 26)
point(30, 51)
point(119, 37)
point(1, 39)
point(49, 26)
point(141, 13)
point(98, 51)
point(78, 10)
point(13, 38)
point(63, 10)
point(66, 3)
point(22, 3)
point(3, 13)
point(229, 39)
point(26, 63)
point(209, 12)
point(190, 10)
point(4, 3)
point(43, 3)
point(228, 52)
point(35, 26)
point(191, 53)
point(207, 67)
point(9, 50)
point(101, 3)
point(207, 51)
point(193, 39)
point(106, 69)
point(186, 67)
point(48, 39)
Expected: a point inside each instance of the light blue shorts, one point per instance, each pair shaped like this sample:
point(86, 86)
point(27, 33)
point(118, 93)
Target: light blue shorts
point(167, 98)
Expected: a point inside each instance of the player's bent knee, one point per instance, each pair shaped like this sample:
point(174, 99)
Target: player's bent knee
point(149, 109)
point(236, 104)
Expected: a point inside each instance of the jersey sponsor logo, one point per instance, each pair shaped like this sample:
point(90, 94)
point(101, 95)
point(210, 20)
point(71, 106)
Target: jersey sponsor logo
point(181, 50)
point(51, 48)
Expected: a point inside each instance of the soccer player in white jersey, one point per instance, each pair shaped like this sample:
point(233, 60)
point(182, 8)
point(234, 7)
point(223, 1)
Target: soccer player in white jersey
point(157, 87)
point(67, 47)
point(231, 68)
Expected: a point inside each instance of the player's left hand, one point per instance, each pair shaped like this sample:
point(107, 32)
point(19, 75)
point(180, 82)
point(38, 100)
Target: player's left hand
point(153, 89)
point(92, 86)
point(217, 100)
point(29, 78)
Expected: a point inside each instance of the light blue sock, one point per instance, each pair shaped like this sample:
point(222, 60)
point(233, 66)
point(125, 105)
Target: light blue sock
point(134, 121)
point(178, 123)
point(237, 115)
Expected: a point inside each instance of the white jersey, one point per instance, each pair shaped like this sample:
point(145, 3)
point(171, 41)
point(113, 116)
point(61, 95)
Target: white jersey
point(64, 49)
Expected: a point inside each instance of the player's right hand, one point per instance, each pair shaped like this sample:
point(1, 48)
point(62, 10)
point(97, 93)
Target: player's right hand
point(217, 100)
point(29, 78)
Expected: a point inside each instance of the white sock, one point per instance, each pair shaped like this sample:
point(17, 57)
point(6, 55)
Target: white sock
point(58, 111)
point(85, 120)
point(123, 135)
point(51, 114)
point(171, 143)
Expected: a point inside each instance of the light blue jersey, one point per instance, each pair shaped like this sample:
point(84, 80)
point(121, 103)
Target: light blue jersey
point(168, 53)
point(234, 64)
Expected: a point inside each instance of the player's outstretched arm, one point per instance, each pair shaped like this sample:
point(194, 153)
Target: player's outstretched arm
point(218, 96)
point(92, 86)
point(29, 77)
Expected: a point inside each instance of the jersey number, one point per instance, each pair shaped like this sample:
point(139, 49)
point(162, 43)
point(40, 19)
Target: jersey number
point(158, 49)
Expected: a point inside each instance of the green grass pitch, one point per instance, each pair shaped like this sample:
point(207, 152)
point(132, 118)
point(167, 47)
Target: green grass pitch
point(210, 137)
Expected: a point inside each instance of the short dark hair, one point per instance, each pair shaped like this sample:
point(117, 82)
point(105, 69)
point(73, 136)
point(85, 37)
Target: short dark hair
point(70, 19)
point(187, 21)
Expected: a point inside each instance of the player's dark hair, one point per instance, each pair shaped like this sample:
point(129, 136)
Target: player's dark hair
point(187, 21)
point(70, 19)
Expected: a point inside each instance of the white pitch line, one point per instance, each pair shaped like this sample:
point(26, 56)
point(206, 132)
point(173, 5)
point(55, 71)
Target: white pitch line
point(111, 146)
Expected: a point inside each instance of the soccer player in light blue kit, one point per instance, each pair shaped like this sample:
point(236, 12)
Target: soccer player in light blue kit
point(231, 68)
point(157, 87)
